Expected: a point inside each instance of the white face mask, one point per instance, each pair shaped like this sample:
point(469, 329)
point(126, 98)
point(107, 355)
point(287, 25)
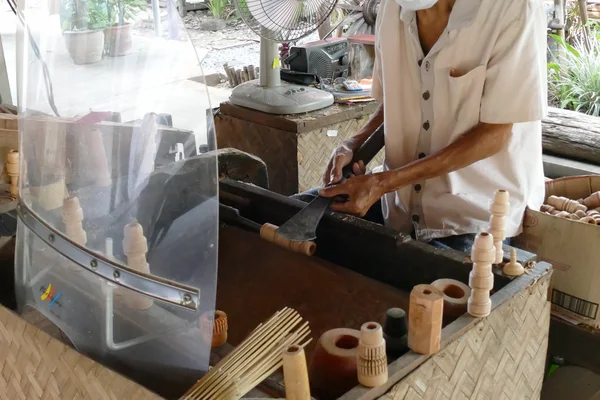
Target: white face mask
point(415, 5)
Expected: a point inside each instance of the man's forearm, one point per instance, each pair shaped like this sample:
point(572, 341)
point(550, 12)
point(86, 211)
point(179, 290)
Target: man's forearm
point(361, 136)
point(479, 143)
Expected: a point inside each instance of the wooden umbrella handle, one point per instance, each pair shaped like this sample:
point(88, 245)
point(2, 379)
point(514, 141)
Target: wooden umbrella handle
point(267, 232)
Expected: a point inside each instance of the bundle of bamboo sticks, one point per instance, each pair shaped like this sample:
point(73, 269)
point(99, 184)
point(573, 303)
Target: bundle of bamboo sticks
point(238, 76)
point(257, 357)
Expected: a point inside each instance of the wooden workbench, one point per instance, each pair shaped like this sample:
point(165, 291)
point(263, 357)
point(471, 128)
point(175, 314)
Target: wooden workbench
point(360, 270)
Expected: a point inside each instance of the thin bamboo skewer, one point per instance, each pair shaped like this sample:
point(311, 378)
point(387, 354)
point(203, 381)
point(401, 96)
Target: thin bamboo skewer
point(226, 377)
point(237, 355)
point(244, 367)
point(257, 357)
point(246, 384)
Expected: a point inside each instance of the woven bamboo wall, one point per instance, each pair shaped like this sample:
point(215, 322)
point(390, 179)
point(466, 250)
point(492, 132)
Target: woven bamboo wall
point(296, 149)
point(275, 147)
point(34, 366)
point(501, 357)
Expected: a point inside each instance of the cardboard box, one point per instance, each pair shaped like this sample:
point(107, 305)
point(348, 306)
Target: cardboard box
point(573, 248)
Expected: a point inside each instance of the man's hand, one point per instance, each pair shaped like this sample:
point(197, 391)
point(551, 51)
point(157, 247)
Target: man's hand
point(342, 156)
point(362, 192)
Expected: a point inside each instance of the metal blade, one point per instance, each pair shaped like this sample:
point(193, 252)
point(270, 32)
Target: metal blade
point(303, 226)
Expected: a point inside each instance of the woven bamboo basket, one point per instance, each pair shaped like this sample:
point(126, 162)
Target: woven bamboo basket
point(502, 356)
point(34, 365)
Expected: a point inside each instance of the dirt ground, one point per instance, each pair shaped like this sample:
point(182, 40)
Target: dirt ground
point(232, 42)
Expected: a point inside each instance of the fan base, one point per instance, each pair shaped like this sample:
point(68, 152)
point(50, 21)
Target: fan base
point(285, 99)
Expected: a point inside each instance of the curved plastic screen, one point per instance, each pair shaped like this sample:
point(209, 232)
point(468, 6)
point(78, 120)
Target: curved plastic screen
point(118, 219)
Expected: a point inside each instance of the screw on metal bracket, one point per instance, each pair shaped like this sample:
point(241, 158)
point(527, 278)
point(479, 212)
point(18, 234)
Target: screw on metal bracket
point(187, 299)
point(94, 264)
point(51, 238)
point(116, 274)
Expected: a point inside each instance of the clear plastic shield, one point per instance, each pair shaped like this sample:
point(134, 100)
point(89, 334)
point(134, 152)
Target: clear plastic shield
point(118, 213)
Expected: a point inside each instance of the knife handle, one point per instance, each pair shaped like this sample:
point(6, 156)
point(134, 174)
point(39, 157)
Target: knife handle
point(367, 151)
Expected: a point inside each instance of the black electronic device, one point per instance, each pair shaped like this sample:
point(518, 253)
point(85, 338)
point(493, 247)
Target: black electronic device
point(328, 59)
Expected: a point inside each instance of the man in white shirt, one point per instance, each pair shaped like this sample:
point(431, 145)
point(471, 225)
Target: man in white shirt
point(462, 91)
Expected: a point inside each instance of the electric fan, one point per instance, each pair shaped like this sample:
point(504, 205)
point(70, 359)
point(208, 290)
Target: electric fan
point(280, 21)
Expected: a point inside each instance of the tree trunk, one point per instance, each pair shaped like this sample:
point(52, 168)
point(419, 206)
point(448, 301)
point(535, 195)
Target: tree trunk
point(571, 135)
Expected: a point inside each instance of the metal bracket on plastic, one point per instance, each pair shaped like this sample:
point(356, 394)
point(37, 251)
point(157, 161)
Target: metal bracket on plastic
point(157, 288)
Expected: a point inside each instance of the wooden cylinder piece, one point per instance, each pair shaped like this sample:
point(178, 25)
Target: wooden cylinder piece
point(135, 247)
point(12, 169)
point(372, 358)
point(481, 278)
point(333, 366)
point(456, 295)
point(295, 374)
point(592, 201)
point(395, 333)
point(565, 204)
point(499, 208)
point(72, 216)
point(214, 328)
point(425, 316)
point(267, 232)
point(513, 268)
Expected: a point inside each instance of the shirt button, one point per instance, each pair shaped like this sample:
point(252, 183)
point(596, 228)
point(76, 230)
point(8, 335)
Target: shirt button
point(420, 62)
point(416, 218)
point(422, 155)
point(417, 188)
point(426, 125)
point(426, 65)
point(426, 95)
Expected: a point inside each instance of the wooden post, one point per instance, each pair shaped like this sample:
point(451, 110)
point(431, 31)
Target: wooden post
point(584, 20)
point(559, 7)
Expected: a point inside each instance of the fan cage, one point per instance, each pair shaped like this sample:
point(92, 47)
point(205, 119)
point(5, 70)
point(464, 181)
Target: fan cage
point(284, 20)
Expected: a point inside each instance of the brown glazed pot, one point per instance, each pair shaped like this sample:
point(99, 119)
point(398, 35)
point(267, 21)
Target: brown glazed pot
point(333, 365)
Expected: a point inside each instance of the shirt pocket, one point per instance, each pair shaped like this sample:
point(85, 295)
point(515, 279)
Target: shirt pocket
point(464, 98)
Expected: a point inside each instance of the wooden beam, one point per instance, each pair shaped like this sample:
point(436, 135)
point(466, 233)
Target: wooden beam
point(571, 135)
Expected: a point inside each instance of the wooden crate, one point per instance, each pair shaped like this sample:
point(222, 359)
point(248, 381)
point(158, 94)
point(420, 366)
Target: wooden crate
point(296, 148)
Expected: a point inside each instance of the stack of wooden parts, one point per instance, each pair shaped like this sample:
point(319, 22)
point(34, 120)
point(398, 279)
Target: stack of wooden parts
point(583, 210)
point(9, 139)
point(481, 279)
point(239, 76)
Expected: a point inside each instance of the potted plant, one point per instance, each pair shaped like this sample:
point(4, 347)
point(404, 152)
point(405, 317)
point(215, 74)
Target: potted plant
point(118, 35)
point(83, 23)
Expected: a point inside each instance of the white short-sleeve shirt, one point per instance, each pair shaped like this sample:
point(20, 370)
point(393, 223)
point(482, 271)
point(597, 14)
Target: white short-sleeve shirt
point(497, 52)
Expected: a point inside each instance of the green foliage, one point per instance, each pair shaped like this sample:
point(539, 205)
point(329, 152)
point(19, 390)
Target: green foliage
point(82, 15)
point(574, 80)
point(217, 7)
point(120, 11)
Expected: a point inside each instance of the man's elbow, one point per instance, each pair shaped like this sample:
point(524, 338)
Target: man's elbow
point(498, 135)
